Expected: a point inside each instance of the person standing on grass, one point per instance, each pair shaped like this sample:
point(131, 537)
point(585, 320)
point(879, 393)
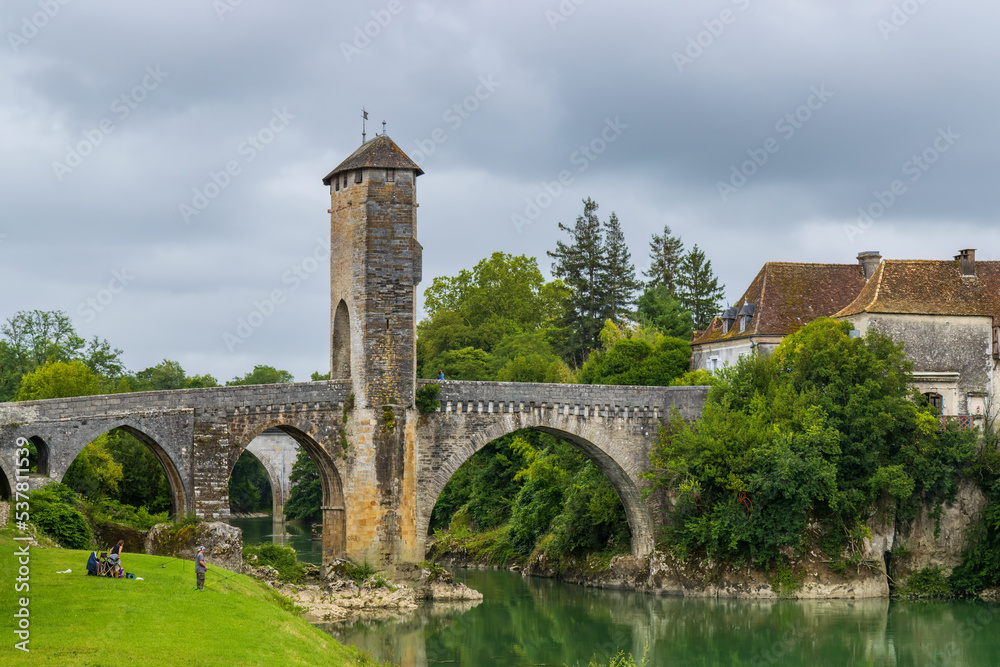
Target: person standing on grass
point(200, 569)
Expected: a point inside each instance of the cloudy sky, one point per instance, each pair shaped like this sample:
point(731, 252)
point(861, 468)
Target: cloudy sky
point(756, 129)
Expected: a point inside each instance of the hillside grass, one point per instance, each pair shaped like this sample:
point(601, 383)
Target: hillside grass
point(162, 620)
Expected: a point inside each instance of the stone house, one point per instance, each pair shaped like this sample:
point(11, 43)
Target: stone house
point(945, 313)
point(783, 297)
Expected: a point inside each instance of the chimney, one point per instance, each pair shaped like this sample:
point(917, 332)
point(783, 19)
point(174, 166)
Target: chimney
point(869, 261)
point(967, 262)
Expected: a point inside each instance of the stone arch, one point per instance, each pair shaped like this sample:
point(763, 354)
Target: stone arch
point(276, 501)
point(303, 432)
point(43, 453)
point(274, 468)
point(592, 437)
point(341, 360)
point(177, 493)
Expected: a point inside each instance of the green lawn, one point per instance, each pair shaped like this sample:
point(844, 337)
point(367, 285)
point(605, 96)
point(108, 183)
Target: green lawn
point(80, 620)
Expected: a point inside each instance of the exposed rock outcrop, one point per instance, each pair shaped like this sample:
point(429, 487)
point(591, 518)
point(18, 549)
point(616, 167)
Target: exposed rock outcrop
point(930, 542)
point(223, 543)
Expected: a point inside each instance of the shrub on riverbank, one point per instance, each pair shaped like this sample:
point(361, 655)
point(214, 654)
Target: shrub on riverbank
point(823, 430)
point(281, 558)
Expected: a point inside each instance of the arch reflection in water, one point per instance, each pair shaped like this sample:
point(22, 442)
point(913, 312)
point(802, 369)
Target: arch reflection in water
point(528, 621)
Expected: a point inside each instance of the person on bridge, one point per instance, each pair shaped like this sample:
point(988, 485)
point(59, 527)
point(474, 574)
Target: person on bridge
point(200, 569)
point(441, 374)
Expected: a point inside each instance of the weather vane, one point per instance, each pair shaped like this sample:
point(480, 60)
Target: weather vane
point(383, 128)
point(364, 117)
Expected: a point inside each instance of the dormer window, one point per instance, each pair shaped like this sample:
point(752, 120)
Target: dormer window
point(728, 317)
point(745, 315)
point(390, 175)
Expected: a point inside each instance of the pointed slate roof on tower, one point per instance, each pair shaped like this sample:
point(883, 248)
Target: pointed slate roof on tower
point(381, 151)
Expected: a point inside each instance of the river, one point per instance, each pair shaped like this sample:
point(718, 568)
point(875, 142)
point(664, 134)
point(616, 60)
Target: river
point(531, 621)
point(297, 535)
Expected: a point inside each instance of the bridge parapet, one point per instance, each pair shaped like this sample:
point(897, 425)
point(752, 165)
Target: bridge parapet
point(596, 401)
point(241, 398)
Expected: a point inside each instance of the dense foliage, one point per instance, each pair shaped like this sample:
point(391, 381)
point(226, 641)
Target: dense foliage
point(306, 496)
point(532, 492)
point(496, 321)
point(57, 511)
point(249, 486)
point(826, 428)
point(636, 357)
point(282, 558)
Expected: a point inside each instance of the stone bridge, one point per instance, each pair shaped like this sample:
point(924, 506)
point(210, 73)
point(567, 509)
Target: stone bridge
point(380, 484)
point(382, 463)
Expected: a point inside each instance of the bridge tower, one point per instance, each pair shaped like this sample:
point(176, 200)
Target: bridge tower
point(375, 266)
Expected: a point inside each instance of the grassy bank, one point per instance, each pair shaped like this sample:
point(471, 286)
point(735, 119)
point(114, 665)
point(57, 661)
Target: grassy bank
point(162, 620)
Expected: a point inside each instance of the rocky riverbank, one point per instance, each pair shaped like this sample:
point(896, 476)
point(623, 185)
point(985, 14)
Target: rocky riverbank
point(338, 598)
point(928, 541)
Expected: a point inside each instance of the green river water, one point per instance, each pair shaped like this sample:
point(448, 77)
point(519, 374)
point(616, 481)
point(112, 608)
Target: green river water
point(531, 621)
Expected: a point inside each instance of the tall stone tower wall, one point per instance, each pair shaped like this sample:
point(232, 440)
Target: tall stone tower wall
point(374, 270)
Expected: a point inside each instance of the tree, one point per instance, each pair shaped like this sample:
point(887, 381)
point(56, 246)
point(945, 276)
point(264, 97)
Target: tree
point(659, 307)
point(144, 483)
point(581, 265)
point(262, 375)
point(249, 486)
point(94, 473)
point(501, 297)
point(636, 358)
point(500, 288)
point(165, 375)
point(698, 288)
point(823, 430)
point(618, 283)
point(305, 499)
point(33, 338)
point(60, 379)
point(469, 363)
point(665, 255)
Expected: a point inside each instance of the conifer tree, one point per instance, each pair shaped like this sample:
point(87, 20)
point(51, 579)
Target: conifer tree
point(581, 265)
point(698, 288)
point(619, 284)
point(666, 253)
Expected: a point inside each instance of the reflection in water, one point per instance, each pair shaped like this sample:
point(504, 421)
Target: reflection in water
point(527, 621)
point(297, 535)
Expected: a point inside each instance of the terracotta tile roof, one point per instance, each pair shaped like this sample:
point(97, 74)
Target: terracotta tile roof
point(788, 295)
point(378, 152)
point(929, 287)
